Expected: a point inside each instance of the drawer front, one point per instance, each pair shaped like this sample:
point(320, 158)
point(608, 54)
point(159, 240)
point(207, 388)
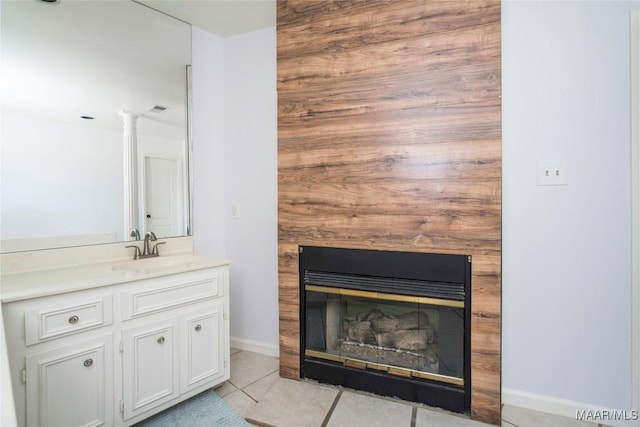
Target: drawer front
point(56, 321)
point(169, 292)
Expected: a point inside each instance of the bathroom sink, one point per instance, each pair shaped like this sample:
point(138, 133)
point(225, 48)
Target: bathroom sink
point(161, 263)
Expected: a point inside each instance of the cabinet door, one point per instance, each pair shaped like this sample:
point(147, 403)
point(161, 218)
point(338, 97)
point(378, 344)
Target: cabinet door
point(150, 366)
point(203, 347)
point(71, 386)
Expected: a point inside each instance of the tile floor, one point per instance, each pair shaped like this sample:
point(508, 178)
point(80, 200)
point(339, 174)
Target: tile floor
point(256, 391)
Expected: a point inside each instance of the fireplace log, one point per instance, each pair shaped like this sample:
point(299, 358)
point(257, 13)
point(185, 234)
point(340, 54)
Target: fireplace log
point(406, 339)
point(372, 314)
point(410, 320)
point(407, 331)
point(359, 331)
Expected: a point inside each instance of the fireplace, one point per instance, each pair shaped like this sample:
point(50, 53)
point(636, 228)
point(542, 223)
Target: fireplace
point(391, 323)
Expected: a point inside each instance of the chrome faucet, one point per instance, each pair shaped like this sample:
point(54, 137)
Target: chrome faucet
point(147, 251)
point(135, 234)
point(149, 236)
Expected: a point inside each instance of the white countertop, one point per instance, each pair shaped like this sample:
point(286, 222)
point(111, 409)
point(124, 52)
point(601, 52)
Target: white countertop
point(38, 283)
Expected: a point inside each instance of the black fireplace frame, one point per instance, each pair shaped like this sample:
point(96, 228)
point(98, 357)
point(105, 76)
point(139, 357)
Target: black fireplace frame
point(411, 266)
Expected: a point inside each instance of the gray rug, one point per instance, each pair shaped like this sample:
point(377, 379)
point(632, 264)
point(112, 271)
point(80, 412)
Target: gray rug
point(206, 409)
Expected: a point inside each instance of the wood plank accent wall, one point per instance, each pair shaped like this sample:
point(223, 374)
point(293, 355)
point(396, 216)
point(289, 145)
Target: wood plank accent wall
point(389, 137)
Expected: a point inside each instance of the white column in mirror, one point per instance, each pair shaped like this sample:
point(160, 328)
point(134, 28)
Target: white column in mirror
point(130, 150)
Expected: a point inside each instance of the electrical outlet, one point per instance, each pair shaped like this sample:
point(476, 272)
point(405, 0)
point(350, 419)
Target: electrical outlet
point(552, 172)
point(235, 210)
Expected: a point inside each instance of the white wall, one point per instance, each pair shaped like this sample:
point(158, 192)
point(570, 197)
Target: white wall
point(251, 183)
point(208, 143)
point(235, 161)
point(566, 249)
point(61, 186)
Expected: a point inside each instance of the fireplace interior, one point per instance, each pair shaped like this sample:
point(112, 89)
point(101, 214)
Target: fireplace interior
point(391, 323)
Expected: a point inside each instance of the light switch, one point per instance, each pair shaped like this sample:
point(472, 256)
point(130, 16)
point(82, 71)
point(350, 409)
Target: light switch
point(552, 172)
point(235, 210)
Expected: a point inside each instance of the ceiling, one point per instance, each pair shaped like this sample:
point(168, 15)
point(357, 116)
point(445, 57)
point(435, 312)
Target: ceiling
point(79, 70)
point(220, 17)
point(89, 64)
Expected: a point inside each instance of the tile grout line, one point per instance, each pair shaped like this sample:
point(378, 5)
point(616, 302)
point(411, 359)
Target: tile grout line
point(414, 414)
point(333, 407)
point(248, 395)
point(253, 382)
point(258, 423)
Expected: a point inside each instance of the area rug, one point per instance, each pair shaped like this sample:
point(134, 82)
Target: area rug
point(203, 410)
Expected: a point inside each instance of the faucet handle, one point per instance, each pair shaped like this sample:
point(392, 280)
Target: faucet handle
point(137, 253)
point(155, 248)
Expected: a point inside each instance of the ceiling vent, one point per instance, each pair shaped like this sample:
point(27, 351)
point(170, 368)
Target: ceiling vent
point(157, 109)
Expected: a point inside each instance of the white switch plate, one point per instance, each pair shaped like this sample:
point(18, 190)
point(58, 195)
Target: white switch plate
point(552, 172)
point(235, 210)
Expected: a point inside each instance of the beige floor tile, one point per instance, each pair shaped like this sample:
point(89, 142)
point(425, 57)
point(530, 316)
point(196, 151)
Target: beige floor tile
point(234, 351)
point(437, 418)
point(260, 388)
point(293, 403)
point(522, 417)
point(248, 367)
point(239, 401)
point(224, 389)
point(355, 410)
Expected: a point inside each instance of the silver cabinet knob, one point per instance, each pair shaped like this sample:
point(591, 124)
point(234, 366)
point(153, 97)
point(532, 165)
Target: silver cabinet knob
point(198, 328)
point(88, 362)
point(73, 319)
point(160, 340)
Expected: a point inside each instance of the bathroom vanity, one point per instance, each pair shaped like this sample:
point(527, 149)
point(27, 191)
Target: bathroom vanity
point(94, 337)
point(114, 342)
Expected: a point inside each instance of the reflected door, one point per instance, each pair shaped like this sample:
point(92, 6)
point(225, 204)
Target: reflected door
point(163, 196)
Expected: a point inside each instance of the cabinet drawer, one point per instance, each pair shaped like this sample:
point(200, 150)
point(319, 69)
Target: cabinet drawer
point(168, 292)
point(55, 321)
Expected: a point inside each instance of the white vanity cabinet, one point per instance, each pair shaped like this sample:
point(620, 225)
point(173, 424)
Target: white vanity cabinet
point(150, 367)
point(203, 360)
point(71, 385)
point(117, 354)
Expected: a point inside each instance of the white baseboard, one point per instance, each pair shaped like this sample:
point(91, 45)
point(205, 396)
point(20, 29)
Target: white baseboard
point(255, 346)
point(563, 407)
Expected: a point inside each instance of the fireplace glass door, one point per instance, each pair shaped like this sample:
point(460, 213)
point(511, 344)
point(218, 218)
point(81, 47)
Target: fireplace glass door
point(406, 336)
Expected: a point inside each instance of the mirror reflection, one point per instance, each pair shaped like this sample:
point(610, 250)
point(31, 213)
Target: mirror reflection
point(94, 123)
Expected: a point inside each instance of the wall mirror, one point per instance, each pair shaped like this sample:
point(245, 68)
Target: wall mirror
point(94, 126)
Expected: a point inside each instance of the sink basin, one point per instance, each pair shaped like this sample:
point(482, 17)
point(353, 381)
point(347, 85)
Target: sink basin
point(150, 265)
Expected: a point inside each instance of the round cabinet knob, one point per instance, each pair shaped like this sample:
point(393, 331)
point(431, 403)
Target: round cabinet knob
point(73, 319)
point(198, 328)
point(148, 216)
point(160, 340)
point(88, 362)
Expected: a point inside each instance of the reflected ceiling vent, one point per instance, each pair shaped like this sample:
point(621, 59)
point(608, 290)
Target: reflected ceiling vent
point(157, 109)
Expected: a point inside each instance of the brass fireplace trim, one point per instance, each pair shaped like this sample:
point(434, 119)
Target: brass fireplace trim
point(392, 370)
point(385, 296)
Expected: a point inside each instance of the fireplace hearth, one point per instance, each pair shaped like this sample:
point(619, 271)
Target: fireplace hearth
point(392, 323)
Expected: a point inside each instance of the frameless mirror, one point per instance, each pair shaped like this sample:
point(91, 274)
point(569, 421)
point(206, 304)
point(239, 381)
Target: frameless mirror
point(83, 84)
